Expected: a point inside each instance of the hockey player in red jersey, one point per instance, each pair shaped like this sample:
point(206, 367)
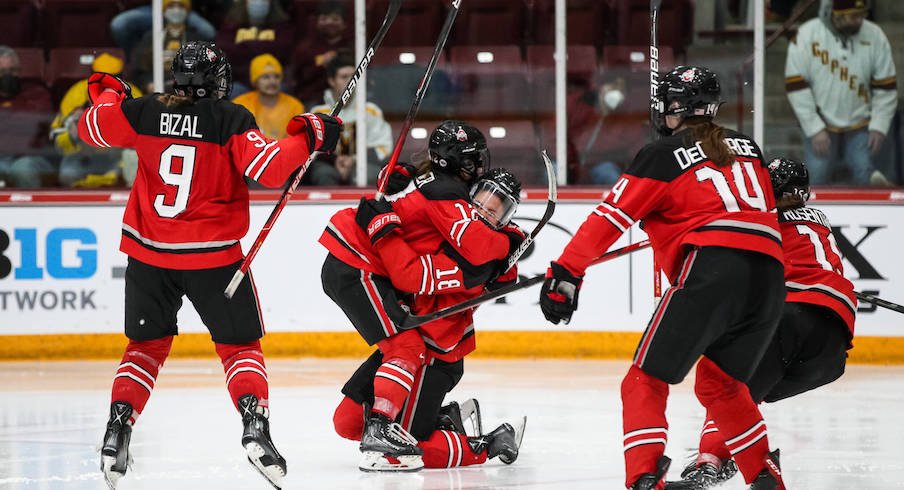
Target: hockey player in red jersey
point(810, 346)
point(435, 212)
point(704, 196)
point(186, 213)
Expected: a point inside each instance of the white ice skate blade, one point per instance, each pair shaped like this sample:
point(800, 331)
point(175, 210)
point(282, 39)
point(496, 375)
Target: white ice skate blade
point(273, 473)
point(373, 461)
point(111, 477)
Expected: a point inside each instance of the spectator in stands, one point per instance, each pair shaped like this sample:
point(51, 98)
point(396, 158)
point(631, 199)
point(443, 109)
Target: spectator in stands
point(339, 167)
point(176, 32)
point(251, 28)
point(602, 137)
point(318, 48)
point(24, 109)
point(840, 79)
point(271, 107)
point(85, 165)
point(130, 27)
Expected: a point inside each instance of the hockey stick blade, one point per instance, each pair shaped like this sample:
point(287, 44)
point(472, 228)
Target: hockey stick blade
point(391, 13)
point(547, 215)
point(418, 320)
point(869, 298)
point(419, 95)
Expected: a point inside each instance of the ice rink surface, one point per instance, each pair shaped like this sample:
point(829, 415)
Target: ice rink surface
point(844, 436)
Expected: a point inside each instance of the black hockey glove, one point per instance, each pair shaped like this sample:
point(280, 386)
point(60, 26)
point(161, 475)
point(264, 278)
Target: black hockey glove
point(377, 219)
point(98, 82)
point(322, 130)
point(401, 176)
point(559, 295)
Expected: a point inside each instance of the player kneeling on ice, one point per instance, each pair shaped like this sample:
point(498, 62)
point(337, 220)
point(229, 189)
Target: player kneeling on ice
point(431, 248)
point(703, 193)
point(810, 346)
point(181, 229)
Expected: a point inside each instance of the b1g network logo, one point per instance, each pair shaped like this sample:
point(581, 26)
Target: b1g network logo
point(60, 253)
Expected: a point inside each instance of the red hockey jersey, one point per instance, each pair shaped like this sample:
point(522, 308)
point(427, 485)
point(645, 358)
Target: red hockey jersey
point(189, 204)
point(684, 200)
point(813, 270)
point(434, 209)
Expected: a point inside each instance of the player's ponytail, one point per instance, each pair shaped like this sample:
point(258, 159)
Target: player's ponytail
point(712, 138)
point(173, 100)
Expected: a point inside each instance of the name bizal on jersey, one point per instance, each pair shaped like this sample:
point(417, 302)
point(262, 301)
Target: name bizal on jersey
point(688, 156)
point(184, 125)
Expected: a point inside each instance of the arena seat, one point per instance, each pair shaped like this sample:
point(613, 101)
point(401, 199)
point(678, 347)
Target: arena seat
point(635, 59)
point(65, 66)
point(491, 81)
point(580, 65)
point(31, 64)
point(490, 22)
point(587, 22)
point(676, 24)
point(418, 22)
point(404, 55)
point(68, 23)
point(513, 145)
point(19, 21)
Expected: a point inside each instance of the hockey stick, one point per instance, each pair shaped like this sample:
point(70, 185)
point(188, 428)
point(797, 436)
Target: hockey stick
point(655, 110)
point(391, 14)
point(416, 321)
point(869, 298)
point(550, 209)
point(419, 95)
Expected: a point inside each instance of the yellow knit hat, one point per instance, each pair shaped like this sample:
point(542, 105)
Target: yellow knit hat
point(107, 63)
point(185, 3)
point(264, 63)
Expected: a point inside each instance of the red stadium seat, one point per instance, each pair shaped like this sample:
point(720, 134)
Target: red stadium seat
point(68, 65)
point(635, 59)
point(587, 22)
point(513, 145)
point(418, 22)
point(491, 81)
point(675, 26)
point(19, 21)
point(490, 22)
point(580, 61)
point(404, 55)
point(31, 64)
point(68, 23)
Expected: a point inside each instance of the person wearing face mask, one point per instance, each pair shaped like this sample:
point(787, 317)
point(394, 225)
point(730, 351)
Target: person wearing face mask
point(316, 51)
point(602, 135)
point(253, 27)
point(24, 108)
point(177, 31)
point(841, 83)
point(130, 26)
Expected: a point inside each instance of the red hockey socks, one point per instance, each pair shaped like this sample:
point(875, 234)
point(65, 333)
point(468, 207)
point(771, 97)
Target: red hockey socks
point(643, 416)
point(711, 440)
point(403, 357)
point(448, 449)
point(246, 373)
point(348, 419)
point(137, 373)
point(728, 402)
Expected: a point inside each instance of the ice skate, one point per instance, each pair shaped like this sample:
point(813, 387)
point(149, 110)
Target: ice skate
point(653, 481)
point(114, 454)
point(464, 418)
point(262, 454)
point(504, 442)
point(706, 471)
point(771, 476)
point(387, 447)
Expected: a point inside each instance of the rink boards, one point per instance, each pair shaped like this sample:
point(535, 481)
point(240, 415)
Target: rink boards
point(61, 279)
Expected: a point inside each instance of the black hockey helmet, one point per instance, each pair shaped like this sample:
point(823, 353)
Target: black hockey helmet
point(496, 195)
point(696, 90)
point(200, 69)
point(458, 148)
point(789, 177)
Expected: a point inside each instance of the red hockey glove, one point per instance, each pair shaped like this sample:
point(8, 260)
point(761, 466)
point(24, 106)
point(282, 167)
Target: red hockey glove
point(377, 219)
point(322, 130)
point(559, 295)
point(401, 176)
point(98, 82)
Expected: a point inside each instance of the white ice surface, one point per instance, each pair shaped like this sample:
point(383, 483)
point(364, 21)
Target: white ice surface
point(844, 436)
